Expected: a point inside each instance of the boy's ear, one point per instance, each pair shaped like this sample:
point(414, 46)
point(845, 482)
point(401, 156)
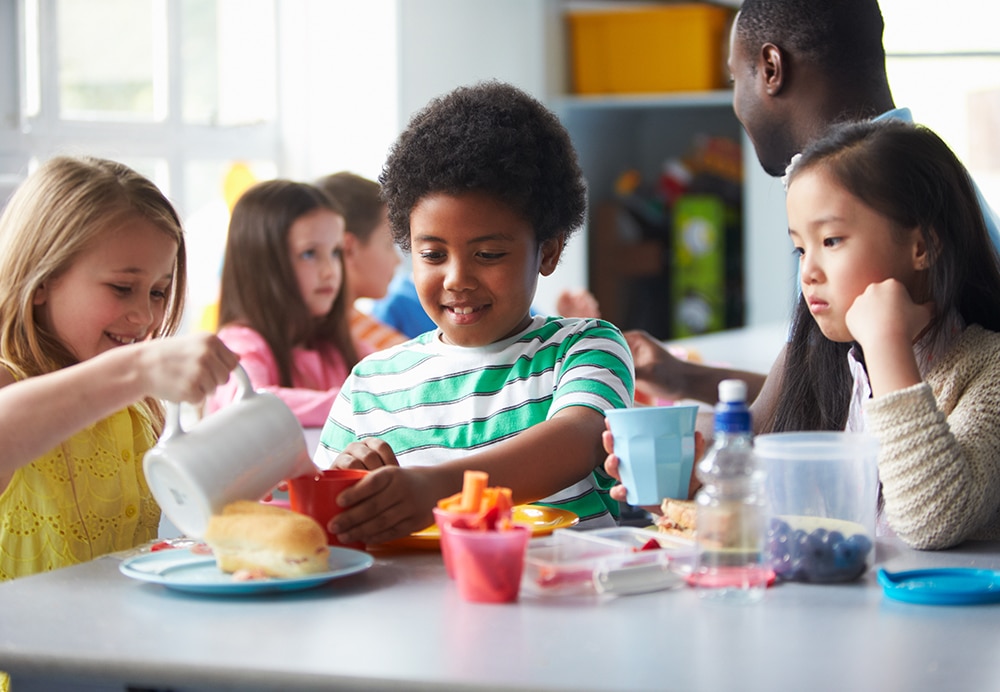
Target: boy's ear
point(772, 68)
point(551, 252)
point(351, 243)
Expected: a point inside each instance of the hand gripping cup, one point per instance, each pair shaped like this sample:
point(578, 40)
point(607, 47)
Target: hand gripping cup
point(655, 450)
point(315, 494)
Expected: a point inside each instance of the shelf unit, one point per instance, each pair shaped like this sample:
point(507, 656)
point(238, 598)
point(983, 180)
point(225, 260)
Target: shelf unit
point(630, 276)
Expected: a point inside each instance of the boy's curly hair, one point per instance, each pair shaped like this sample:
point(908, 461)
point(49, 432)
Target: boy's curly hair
point(492, 138)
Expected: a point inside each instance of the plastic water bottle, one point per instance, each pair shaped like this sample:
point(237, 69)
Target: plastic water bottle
point(731, 562)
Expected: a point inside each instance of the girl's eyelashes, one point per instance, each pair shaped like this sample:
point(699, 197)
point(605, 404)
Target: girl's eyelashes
point(312, 253)
point(124, 291)
point(832, 241)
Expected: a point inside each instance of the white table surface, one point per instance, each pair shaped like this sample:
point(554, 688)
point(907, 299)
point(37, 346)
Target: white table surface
point(402, 625)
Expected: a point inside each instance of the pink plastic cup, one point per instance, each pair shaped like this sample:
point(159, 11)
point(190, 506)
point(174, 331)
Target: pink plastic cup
point(316, 496)
point(445, 518)
point(488, 564)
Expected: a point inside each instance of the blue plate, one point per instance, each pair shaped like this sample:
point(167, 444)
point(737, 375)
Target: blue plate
point(182, 570)
point(942, 586)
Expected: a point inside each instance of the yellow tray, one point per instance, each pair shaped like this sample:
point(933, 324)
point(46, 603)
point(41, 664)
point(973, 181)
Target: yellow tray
point(542, 521)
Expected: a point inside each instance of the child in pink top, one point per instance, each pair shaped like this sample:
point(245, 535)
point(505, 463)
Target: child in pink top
point(282, 305)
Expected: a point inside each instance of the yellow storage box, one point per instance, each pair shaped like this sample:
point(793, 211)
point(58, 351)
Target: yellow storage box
point(645, 49)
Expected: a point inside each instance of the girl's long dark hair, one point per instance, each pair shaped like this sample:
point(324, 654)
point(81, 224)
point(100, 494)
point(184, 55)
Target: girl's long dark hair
point(259, 287)
point(907, 174)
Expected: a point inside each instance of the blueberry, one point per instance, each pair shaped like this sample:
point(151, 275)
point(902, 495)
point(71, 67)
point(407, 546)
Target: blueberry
point(861, 543)
point(797, 570)
point(797, 542)
point(779, 556)
point(816, 546)
point(778, 548)
point(845, 556)
point(818, 558)
point(779, 528)
point(783, 568)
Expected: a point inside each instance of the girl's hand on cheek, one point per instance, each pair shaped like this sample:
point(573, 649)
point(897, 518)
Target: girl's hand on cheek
point(884, 312)
point(885, 321)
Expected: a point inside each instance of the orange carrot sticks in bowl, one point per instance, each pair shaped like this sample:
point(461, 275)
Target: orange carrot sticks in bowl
point(490, 507)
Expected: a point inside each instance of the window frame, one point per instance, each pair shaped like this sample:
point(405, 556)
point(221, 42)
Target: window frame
point(24, 138)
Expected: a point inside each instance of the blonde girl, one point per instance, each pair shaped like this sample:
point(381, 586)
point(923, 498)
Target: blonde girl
point(92, 273)
point(283, 306)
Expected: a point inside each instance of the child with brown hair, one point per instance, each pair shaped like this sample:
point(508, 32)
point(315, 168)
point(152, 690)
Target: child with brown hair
point(282, 306)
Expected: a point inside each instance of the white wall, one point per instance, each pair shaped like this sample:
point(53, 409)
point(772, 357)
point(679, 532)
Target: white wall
point(338, 94)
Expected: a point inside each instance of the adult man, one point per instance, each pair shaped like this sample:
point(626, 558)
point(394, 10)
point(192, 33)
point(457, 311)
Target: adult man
point(797, 67)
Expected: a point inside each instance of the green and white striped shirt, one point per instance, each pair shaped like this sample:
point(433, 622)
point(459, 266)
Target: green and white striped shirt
point(434, 402)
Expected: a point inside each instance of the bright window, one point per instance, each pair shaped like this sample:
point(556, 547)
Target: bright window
point(943, 61)
point(202, 96)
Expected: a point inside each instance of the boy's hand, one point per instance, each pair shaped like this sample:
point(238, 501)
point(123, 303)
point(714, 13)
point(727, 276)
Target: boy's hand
point(387, 504)
point(370, 453)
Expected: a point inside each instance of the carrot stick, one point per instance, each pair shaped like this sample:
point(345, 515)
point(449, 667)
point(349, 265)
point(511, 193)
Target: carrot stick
point(473, 484)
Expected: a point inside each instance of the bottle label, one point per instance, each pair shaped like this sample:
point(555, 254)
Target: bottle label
point(730, 534)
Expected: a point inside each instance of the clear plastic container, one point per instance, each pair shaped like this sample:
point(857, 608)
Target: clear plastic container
point(612, 562)
point(822, 490)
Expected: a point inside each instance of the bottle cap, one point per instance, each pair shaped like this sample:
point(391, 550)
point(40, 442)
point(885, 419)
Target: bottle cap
point(731, 391)
point(731, 413)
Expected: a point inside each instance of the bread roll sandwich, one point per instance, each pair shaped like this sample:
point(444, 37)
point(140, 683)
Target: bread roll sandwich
point(253, 540)
point(720, 527)
point(678, 518)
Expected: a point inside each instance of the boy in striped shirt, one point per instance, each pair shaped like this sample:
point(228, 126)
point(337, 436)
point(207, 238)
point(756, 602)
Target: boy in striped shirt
point(483, 190)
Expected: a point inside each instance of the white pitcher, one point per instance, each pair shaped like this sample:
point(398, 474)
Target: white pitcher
point(240, 452)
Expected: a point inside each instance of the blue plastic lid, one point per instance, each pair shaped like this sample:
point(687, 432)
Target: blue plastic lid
point(942, 586)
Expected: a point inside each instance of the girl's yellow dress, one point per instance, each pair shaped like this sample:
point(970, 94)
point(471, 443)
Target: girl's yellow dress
point(84, 498)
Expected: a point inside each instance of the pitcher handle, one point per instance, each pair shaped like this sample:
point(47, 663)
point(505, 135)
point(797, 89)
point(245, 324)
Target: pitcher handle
point(172, 422)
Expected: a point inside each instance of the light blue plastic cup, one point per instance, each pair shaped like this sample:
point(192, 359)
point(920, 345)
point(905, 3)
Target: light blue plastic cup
point(655, 450)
